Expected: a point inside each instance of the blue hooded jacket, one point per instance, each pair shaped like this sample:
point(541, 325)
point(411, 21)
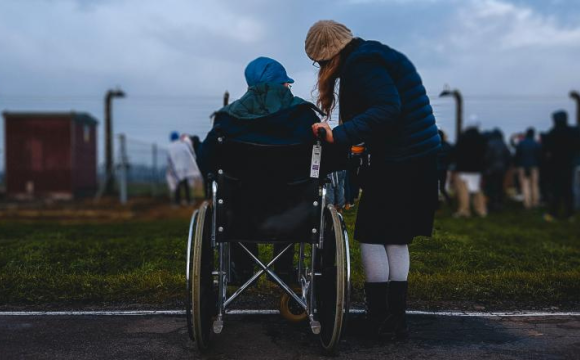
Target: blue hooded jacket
point(267, 114)
point(383, 103)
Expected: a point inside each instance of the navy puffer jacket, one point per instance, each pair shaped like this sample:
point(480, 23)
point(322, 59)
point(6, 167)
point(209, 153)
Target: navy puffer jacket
point(383, 103)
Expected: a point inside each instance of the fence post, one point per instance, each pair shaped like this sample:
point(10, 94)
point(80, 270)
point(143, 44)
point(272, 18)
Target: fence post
point(458, 109)
point(123, 170)
point(109, 179)
point(226, 98)
point(154, 174)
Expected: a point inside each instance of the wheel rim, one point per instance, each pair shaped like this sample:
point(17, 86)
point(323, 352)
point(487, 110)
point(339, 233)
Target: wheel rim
point(331, 293)
point(204, 296)
point(188, 275)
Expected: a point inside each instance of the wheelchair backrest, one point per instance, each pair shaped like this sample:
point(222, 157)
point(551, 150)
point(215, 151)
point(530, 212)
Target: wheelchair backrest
point(266, 193)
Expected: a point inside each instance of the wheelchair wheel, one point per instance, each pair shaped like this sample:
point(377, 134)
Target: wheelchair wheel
point(204, 292)
point(188, 274)
point(333, 285)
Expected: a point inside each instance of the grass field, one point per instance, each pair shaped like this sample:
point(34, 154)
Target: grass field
point(507, 261)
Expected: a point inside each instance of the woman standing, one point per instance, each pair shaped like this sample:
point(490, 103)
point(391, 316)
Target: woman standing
point(383, 104)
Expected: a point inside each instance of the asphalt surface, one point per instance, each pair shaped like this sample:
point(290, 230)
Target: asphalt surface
point(270, 337)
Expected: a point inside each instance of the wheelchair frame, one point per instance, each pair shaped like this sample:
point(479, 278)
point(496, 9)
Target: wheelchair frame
point(202, 248)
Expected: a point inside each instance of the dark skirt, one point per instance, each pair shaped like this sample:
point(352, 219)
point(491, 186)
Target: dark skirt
point(398, 202)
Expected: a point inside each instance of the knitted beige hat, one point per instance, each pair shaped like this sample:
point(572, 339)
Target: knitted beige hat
point(325, 39)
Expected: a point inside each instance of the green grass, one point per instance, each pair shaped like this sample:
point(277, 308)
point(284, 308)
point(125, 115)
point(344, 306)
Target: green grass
point(134, 262)
point(508, 260)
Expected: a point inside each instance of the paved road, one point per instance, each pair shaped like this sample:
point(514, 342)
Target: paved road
point(269, 337)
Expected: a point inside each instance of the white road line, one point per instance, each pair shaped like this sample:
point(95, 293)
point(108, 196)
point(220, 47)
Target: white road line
point(272, 312)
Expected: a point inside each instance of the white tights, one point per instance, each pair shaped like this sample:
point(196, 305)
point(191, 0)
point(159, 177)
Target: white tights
point(382, 263)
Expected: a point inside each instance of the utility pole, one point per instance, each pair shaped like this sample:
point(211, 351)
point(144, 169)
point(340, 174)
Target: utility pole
point(458, 109)
point(109, 179)
point(226, 98)
point(576, 97)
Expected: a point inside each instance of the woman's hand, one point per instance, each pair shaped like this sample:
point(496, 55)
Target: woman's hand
point(323, 125)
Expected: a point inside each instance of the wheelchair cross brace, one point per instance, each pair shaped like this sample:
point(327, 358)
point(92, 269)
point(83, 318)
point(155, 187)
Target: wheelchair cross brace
point(224, 302)
point(266, 269)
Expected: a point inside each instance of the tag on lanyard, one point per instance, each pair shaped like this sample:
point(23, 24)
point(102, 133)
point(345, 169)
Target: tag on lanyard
point(315, 163)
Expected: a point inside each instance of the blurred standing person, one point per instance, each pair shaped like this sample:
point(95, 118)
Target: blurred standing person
point(469, 160)
point(335, 193)
point(350, 190)
point(561, 145)
point(197, 181)
point(352, 184)
point(196, 143)
point(497, 162)
point(187, 140)
point(577, 173)
point(443, 162)
point(336, 188)
point(528, 157)
point(577, 184)
point(383, 104)
point(545, 173)
point(182, 170)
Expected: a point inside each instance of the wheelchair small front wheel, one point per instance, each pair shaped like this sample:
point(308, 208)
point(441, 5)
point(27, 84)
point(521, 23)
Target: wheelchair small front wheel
point(290, 310)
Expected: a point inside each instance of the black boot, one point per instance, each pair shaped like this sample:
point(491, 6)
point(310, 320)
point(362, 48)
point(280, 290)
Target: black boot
point(396, 321)
point(376, 298)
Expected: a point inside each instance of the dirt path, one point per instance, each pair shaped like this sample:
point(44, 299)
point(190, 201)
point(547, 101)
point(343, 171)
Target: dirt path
point(269, 337)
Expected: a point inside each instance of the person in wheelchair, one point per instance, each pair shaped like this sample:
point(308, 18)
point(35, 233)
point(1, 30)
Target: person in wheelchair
point(268, 113)
point(266, 173)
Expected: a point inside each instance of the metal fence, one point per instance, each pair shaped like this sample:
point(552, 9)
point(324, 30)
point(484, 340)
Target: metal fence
point(140, 169)
point(144, 166)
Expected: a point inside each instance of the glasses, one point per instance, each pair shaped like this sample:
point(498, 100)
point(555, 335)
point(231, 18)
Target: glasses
point(319, 64)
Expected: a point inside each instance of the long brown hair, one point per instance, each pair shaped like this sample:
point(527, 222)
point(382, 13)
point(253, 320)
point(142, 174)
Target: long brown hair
point(327, 79)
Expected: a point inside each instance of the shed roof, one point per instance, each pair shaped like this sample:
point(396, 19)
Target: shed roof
point(80, 117)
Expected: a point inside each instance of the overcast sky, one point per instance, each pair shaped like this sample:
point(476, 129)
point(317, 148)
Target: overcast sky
point(514, 61)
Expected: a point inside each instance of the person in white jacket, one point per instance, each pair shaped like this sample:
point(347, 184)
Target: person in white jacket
point(182, 170)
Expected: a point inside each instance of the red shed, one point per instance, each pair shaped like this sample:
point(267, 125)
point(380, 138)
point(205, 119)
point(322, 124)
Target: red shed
point(50, 154)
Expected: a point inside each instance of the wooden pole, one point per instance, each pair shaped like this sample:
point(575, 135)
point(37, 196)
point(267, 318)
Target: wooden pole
point(226, 98)
point(109, 167)
point(459, 113)
point(109, 180)
point(458, 109)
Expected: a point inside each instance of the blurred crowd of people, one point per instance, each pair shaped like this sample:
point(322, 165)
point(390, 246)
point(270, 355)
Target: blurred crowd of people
point(482, 169)
point(183, 173)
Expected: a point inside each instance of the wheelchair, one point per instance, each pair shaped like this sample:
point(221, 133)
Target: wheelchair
point(267, 194)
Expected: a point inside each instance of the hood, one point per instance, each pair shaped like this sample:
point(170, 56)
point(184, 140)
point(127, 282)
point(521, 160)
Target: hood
point(263, 100)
